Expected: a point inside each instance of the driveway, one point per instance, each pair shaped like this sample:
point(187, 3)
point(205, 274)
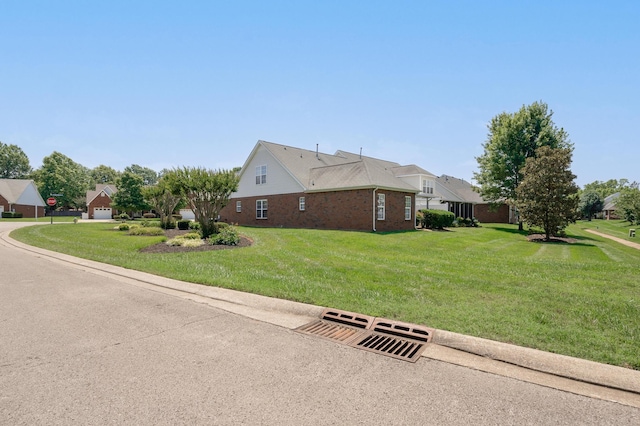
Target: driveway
point(83, 346)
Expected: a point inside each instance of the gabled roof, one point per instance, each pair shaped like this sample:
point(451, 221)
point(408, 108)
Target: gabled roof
point(610, 201)
point(411, 170)
point(15, 190)
point(108, 189)
point(457, 190)
point(317, 171)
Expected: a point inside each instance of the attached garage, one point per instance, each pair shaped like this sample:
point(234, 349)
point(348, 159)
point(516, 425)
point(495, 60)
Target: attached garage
point(102, 213)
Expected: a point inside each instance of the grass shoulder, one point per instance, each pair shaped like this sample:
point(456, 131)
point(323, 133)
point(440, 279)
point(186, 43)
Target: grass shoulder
point(577, 299)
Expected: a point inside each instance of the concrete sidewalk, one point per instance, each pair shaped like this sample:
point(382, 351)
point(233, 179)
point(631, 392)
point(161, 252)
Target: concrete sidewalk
point(556, 371)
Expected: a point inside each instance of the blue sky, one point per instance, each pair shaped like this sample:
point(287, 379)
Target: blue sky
point(197, 83)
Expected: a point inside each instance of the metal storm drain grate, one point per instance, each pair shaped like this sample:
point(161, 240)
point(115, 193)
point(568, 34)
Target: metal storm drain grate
point(338, 325)
point(391, 338)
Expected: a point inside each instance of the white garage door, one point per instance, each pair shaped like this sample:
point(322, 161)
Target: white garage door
point(102, 213)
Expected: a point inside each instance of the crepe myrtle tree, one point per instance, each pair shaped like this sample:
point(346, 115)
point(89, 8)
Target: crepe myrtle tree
point(162, 199)
point(206, 192)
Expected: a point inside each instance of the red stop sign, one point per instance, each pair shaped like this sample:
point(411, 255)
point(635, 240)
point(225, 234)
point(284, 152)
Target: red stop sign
point(51, 201)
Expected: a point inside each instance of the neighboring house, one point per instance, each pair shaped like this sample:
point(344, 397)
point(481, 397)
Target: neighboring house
point(21, 196)
point(283, 186)
point(459, 197)
point(99, 202)
point(609, 209)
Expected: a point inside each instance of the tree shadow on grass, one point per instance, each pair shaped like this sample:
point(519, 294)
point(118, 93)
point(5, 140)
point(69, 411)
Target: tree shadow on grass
point(582, 240)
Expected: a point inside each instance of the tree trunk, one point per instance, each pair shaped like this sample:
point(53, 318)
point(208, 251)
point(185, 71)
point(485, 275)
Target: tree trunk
point(520, 227)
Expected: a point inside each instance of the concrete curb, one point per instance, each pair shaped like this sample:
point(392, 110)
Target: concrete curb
point(294, 314)
point(546, 362)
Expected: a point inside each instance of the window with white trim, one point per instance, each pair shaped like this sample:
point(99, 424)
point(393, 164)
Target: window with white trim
point(381, 207)
point(427, 186)
point(261, 175)
point(407, 208)
point(261, 209)
point(302, 204)
point(238, 206)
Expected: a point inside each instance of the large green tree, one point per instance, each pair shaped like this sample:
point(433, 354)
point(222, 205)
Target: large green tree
point(59, 174)
point(206, 193)
point(547, 195)
point(606, 188)
point(104, 174)
point(590, 204)
point(162, 199)
point(129, 196)
point(14, 163)
point(149, 176)
point(628, 203)
point(512, 138)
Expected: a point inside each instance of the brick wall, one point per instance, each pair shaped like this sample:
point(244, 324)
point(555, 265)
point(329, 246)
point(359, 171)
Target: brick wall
point(484, 214)
point(99, 201)
point(28, 211)
point(348, 210)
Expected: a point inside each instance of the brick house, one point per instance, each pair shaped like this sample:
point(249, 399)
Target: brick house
point(99, 202)
point(21, 196)
point(283, 186)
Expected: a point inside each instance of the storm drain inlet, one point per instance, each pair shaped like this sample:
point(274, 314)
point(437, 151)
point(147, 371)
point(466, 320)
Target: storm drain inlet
point(386, 337)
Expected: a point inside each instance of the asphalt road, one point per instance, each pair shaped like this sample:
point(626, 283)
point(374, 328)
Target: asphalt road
point(77, 347)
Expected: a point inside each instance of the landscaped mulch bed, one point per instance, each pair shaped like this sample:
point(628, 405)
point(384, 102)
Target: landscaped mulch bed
point(171, 233)
point(539, 238)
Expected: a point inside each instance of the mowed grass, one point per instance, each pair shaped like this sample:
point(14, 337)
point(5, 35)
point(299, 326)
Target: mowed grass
point(580, 299)
point(616, 228)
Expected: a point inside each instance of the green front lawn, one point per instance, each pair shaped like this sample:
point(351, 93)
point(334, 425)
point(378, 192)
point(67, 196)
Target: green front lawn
point(580, 299)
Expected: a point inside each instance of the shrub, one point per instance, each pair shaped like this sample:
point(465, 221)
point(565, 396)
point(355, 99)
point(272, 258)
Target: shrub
point(149, 215)
point(11, 215)
point(194, 225)
point(151, 223)
point(168, 224)
point(227, 236)
point(174, 242)
point(191, 239)
point(192, 243)
point(437, 219)
point(152, 231)
point(222, 225)
point(183, 224)
point(123, 217)
point(123, 227)
point(190, 236)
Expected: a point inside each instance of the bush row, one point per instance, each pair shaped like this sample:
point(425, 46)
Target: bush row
point(11, 215)
point(435, 219)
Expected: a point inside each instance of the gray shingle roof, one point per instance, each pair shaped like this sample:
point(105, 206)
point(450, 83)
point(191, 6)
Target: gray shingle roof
point(458, 190)
point(12, 189)
point(317, 171)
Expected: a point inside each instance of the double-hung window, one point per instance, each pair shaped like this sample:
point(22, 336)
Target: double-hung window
point(238, 206)
point(261, 209)
point(381, 207)
point(261, 175)
point(427, 186)
point(407, 208)
point(302, 204)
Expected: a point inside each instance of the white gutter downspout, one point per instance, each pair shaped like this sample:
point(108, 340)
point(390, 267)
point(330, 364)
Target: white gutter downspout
point(375, 210)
